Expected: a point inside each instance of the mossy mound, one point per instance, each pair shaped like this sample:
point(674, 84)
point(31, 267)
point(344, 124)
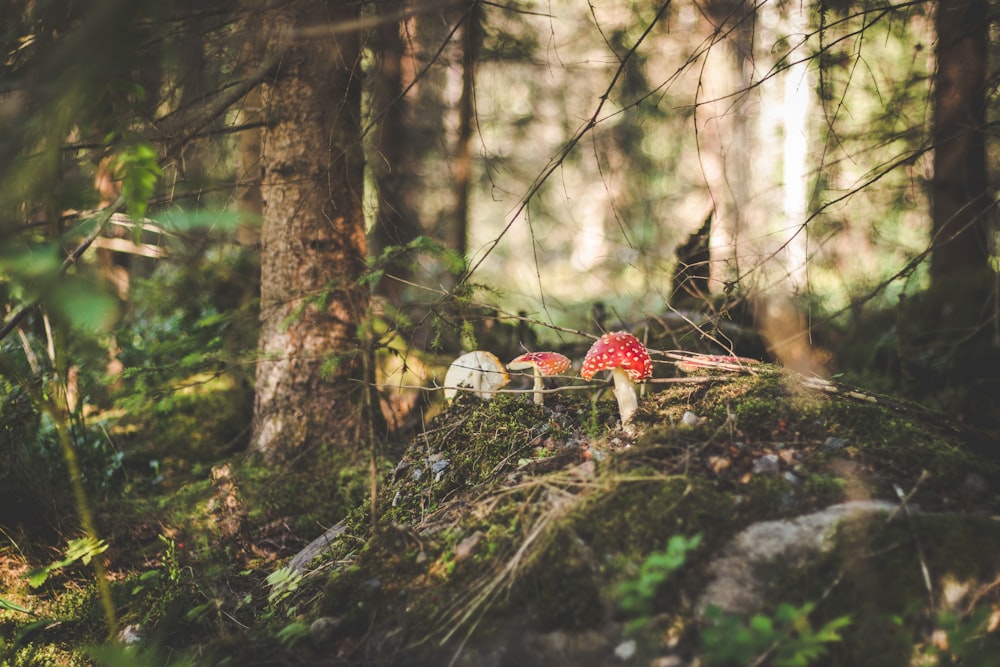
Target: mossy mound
point(508, 532)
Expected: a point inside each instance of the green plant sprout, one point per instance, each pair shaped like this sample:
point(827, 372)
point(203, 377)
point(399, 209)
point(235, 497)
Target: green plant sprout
point(283, 582)
point(7, 605)
point(967, 641)
point(788, 637)
point(635, 596)
point(292, 633)
point(83, 550)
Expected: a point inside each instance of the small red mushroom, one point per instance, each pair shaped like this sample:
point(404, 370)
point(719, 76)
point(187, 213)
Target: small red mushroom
point(629, 362)
point(544, 365)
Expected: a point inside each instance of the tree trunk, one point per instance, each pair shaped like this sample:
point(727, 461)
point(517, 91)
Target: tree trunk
point(247, 150)
point(313, 235)
point(395, 168)
point(961, 204)
point(466, 118)
point(768, 156)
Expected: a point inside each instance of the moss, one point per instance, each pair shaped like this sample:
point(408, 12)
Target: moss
point(78, 621)
point(824, 489)
point(305, 500)
point(473, 443)
point(560, 589)
point(775, 407)
point(643, 495)
point(43, 655)
point(554, 534)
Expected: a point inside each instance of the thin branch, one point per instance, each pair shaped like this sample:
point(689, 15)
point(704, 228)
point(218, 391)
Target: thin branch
point(556, 162)
point(194, 119)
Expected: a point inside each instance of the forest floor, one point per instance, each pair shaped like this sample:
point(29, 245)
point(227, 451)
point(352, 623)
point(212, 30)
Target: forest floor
point(861, 528)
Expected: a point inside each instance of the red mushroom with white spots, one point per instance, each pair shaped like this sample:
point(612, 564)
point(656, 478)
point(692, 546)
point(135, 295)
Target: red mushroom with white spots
point(629, 363)
point(544, 365)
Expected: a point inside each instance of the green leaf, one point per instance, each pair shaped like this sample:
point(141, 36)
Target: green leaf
point(283, 582)
point(292, 633)
point(38, 576)
point(32, 263)
point(181, 220)
point(426, 244)
point(87, 307)
point(454, 262)
point(292, 317)
point(762, 625)
point(787, 614)
point(136, 166)
point(197, 613)
point(7, 605)
point(831, 631)
point(372, 278)
point(331, 365)
point(83, 550)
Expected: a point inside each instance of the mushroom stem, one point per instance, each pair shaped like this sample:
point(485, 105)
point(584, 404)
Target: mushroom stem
point(628, 400)
point(539, 388)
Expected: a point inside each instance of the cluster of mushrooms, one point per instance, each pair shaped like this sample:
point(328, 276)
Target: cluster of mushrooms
point(619, 351)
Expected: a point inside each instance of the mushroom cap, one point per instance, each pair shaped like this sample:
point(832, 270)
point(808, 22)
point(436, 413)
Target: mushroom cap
point(480, 371)
point(618, 349)
point(547, 363)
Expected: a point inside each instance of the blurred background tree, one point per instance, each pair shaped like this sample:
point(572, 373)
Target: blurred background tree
point(962, 205)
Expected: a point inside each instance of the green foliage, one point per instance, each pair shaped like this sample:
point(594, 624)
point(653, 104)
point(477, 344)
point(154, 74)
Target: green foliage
point(7, 605)
point(635, 596)
point(83, 549)
point(468, 335)
point(452, 261)
point(195, 220)
point(170, 560)
point(968, 641)
point(30, 272)
point(175, 598)
point(788, 637)
point(134, 656)
point(23, 269)
point(87, 307)
point(184, 348)
point(137, 167)
point(293, 633)
point(34, 466)
point(283, 582)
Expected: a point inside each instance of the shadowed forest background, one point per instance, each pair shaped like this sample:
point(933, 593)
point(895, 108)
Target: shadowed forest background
point(243, 240)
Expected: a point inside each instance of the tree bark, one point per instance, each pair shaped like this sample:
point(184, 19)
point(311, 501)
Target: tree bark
point(313, 234)
point(961, 203)
point(471, 37)
point(247, 150)
point(395, 166)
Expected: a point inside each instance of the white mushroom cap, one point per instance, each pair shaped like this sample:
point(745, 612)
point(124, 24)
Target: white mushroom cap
point(479, 371)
